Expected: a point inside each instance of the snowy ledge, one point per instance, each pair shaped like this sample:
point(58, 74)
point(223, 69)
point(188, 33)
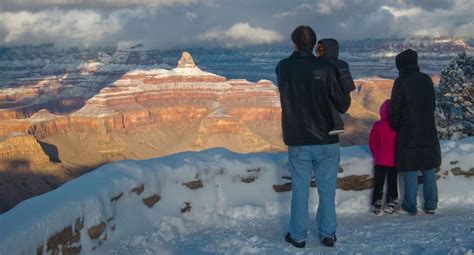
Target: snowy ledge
point(202, 187)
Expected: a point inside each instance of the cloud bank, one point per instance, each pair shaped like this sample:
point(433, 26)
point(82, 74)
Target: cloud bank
point(241, 34)
point(227, 23)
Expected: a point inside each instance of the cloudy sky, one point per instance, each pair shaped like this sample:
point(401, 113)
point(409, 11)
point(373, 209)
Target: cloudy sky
point(166, 24)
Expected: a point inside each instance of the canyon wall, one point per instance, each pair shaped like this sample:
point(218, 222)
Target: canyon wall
point(151, 113)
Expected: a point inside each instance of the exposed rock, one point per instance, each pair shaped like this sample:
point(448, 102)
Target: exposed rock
point(95, 231)
point(72, 250)
point(352, 182)
point(282, 187)
point(26, 170)
point(186, 61)
point(459, 171)
point(364, 111)
point(186, 207)
point(22, 147)
point(287, 186)
point(39, 251)
point(355, 182)
point(196, 184)
point(116, 198)
point(184, 108)
point(79, 225)
point(248, 179)
point(151, 200)
point(254, 170)
point(138, 190)
point(62, 240)
point(110, 219)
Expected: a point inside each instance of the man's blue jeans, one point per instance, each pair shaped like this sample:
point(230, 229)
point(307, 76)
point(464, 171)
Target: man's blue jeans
point(430, 190)
point(323, 162)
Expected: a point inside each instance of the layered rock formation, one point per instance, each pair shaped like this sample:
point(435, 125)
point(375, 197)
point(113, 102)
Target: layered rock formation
point(147, 114)
point(150, 113)
point(26, 170)
point(364, 111)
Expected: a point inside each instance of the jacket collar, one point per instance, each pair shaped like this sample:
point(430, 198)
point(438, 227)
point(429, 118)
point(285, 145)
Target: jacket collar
point(301, 54)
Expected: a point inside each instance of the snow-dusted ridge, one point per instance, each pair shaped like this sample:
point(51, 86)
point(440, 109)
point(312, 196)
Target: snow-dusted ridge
point(234, 187)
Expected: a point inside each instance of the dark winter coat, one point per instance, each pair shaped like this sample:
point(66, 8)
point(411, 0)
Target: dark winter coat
point(331, 52)
point(413, 106)
point(308, 86)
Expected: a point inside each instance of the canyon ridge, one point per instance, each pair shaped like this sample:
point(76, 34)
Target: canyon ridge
point(50, 134)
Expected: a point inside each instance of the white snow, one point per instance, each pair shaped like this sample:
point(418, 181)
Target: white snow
point(179, 71)
point(229, 216)
point(191, 71)
point(149, 72)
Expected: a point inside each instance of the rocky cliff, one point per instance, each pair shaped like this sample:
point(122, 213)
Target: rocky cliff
point(27, 170)
point(150, 113)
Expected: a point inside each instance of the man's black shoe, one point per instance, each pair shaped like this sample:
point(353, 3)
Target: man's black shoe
point(297, 244)
point(329, 241)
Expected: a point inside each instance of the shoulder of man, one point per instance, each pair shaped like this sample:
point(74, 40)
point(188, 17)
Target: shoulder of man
point(283, 63)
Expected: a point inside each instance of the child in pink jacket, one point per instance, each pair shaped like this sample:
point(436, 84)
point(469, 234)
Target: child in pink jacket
point(382, 143)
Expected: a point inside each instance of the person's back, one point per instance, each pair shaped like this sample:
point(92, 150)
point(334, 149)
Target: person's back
point(418, 149)
point(308, 89)
point(413, 116)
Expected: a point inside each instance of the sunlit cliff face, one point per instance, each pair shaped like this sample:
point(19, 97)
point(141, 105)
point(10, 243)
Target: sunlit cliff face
point(149, 113)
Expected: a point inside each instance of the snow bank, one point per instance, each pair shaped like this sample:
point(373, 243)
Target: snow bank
point(232, 186)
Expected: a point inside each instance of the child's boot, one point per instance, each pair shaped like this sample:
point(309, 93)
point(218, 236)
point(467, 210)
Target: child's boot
point(377, 207)
point(391, 206)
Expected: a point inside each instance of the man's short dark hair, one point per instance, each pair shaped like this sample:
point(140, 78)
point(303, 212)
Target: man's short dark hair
point(304, 38)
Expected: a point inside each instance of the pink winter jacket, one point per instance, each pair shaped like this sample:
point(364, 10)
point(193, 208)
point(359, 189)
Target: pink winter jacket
point(382, 140)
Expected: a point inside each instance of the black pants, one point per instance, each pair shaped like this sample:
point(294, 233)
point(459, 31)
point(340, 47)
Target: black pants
point(380, 173)
point(338, 124)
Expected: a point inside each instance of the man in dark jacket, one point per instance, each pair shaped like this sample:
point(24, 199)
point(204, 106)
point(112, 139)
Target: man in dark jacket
point(418, 149)
point(329, 48)
point(308, 89)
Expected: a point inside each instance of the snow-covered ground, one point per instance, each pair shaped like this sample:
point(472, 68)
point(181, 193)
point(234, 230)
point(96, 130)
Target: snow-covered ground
point(231, 216)
point(449, 231)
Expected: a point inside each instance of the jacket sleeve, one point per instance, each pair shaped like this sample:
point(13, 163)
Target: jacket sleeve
point(277, 71)
point(373, 140)
point(282, 80)
point(339, 98)
point(396, 105)
point(345, 77)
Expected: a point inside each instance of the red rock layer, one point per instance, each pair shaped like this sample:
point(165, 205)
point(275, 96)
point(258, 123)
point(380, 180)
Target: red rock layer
point(152, 113)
